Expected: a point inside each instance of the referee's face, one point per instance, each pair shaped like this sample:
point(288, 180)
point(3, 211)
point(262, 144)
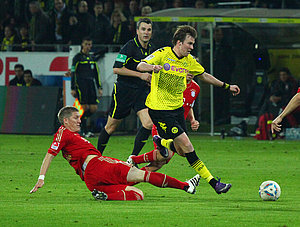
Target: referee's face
point(144, 32)
point(87, 46)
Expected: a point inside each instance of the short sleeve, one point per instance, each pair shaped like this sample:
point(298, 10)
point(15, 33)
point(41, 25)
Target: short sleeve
point(195, 68)
point(58, 143)
point(155, 57)
point(123, 56)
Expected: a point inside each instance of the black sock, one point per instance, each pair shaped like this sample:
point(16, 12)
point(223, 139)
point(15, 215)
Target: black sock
point(191, 157)
point(83, 124)
point(102, 140)
point(140, 140)
point(213, 182)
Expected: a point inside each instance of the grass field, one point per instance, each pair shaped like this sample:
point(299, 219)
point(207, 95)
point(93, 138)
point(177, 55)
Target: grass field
point(65, 201)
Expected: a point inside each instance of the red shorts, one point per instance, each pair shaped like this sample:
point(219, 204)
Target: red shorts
point(106, 174)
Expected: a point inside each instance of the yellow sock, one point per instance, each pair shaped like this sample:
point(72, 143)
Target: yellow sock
point(202, 170)
point(167, 143)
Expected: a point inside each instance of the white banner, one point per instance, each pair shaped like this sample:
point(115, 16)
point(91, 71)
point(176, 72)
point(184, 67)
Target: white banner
point(40, 63)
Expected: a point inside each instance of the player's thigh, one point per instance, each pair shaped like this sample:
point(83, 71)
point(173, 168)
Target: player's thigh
point(140, 98)
point(82, 91)
point(169, 123)
point(122, 101)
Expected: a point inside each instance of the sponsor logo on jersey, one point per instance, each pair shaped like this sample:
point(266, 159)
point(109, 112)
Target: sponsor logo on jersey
point(174, 130)
point(55, 145)
point(163, 126)
point(193, 93)
point(167, 66)
point(121, 58)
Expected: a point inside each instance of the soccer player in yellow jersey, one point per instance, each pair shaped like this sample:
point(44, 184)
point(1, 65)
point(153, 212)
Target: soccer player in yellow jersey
point(169, 67)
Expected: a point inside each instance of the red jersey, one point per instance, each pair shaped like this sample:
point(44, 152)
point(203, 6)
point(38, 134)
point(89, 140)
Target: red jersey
point(74, 148)
point(189, 96)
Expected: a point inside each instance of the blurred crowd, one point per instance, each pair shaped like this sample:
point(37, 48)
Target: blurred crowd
point(27, 24)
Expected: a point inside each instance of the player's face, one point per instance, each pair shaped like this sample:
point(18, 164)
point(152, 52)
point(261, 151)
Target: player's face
point(73, 122)
point(144, 32)
point(86, 46)
point(186, 46)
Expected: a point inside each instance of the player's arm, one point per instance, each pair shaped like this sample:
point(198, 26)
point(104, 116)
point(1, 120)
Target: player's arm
point(210, 79)
point(145, 67)
point(128, 72)
point(292, 105)
point(191, 117)
point(45, 165)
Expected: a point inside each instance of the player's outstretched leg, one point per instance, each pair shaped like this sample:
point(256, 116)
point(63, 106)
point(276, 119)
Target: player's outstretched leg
point(222, 187)
point(193, 183)
point(163, 150)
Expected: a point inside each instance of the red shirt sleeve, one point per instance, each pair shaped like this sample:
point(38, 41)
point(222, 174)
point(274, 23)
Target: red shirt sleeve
point(58, 142)
point(298, 90)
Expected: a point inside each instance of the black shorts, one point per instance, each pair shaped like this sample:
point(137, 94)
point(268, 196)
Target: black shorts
point(125, 98)
point(86, 92)
point(169, 123)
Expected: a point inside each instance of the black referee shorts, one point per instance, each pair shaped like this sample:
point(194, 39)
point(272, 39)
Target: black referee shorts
point(169, 123)
point(125, 98)
point(86, 92)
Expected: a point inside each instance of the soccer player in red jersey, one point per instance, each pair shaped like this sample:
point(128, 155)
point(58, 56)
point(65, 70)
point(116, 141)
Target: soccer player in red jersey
point(154, 157)
point(107, 178)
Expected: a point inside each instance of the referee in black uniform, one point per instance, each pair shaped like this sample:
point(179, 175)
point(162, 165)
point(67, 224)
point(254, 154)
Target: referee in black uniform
point(85, 77)
point(132, 87)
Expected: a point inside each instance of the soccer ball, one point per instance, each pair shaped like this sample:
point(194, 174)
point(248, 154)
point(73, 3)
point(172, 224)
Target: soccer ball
point(269, 190)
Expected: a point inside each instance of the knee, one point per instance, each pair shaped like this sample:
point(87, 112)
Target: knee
point(148, 125)
point(138, 193)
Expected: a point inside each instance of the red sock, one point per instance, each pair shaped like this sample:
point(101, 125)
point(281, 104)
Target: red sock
point(144, 158)
point(125, 195)
point(163, 180)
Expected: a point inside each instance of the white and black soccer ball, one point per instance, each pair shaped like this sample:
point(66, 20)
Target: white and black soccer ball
point(269, 191)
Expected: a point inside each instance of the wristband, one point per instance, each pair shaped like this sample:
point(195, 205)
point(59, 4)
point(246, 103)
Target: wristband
point(225, 86)
point(41, 177)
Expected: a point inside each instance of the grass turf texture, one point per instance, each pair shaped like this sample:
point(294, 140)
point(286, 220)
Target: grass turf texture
point(65, 201)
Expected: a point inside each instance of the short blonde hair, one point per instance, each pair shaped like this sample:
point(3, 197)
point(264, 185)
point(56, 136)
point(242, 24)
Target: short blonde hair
point(66, 112)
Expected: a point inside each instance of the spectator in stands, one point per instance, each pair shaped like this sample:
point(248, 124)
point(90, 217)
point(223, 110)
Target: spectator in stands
point(29, 80)
point(154, 4)
point(24, 39)
point(177, 4)
point(10, 38)
point(146, 10)
point(281, 91)
point(39, 24)
point(80, 24)
point(108, 8)
point(200, 4)
point(59, 17)
point(101, 26)
point(120, 31)
point(19, 78)
point(134, 10)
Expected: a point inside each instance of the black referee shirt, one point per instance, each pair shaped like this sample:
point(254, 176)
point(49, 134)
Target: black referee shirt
point(130, 56)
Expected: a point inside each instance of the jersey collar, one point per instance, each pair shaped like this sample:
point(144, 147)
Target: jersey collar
point(138, 44)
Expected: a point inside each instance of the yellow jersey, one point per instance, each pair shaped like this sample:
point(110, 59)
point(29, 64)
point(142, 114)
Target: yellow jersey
point(168, 85)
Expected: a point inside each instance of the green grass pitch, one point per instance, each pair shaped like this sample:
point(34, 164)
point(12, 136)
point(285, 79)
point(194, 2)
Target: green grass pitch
point(65, 201)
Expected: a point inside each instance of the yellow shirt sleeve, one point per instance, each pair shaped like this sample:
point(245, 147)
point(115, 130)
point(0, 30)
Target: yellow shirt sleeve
point(195, 68)
point(155, 57)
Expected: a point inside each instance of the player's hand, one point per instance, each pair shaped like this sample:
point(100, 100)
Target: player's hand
point(68, 73)
point(157, 68)
point(146, 77)
point(195, 125)
point(234, 89)
point(276, 126)
point(38, 185)
point(100, 91)
point(74, 93)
